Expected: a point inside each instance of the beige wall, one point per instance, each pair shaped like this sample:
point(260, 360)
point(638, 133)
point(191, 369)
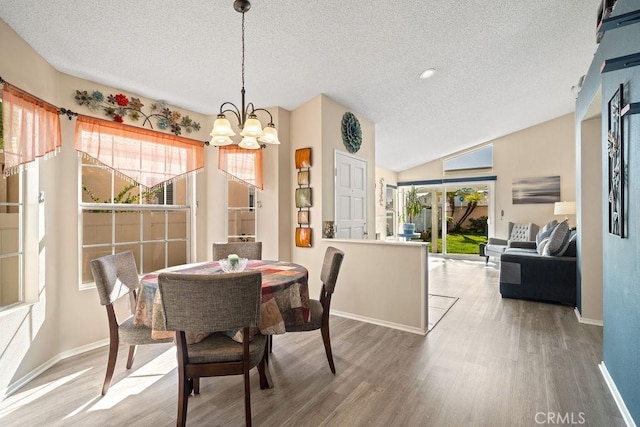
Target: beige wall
point(331, 117)
point(317, 124)
point(547, 149)
point(590, 236)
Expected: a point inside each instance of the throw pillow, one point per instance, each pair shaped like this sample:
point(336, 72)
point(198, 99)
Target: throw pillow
point(558, 240)
point(543, 244)
point(571, 249)
point(546, 231)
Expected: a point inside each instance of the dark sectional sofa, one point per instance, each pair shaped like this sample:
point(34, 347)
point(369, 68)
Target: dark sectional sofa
point(524, 274)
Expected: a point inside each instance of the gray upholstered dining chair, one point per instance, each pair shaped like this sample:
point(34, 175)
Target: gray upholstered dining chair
point(320, 308)
point(249, 250)
point(215, 303)
point(116, 277)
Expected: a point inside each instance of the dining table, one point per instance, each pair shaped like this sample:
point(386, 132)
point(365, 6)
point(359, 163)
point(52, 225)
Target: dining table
point(285, 297)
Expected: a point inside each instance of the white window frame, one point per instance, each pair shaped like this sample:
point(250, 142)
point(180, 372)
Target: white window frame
point(141, 208)
point(30, 227)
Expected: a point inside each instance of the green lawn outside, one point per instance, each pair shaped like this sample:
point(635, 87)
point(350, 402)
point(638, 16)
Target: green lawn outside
point(462, 243)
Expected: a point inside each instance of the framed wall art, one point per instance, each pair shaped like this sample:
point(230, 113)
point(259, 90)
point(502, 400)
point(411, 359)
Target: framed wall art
point(303, 158)
point(616, 165)
point(303, 237)
point(303, 198)
point(303, 217)
point(545, 189)
point(303, 178)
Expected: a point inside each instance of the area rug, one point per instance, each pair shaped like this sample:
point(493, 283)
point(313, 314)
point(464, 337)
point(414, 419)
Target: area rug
point(439, 305)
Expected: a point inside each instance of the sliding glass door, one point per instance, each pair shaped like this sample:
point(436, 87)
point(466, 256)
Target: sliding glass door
point(463, 210)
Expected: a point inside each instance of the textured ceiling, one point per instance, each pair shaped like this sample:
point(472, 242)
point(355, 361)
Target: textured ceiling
point(501, 65)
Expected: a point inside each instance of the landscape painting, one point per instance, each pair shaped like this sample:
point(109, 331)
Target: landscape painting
point(544, 189)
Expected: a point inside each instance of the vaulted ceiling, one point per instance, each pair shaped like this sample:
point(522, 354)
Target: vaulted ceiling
point(501, 65)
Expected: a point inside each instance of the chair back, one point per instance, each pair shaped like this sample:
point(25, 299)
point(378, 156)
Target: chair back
point(523, 232)
point(330, 268)
point(115, 276)
point(212, 302)
point(249, 250)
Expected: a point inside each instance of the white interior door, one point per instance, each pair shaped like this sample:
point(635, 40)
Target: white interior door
point(351, 197)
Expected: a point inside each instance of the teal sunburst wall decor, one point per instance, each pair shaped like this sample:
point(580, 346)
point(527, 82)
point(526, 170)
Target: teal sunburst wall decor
point(351, 132)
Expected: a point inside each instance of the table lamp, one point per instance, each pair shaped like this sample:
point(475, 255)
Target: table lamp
point(564, 208)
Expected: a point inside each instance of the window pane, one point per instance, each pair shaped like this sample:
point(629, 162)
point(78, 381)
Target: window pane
point(9, 233)
point(237, 194)
point(127, 226)
point(125, 191)
point(152, 196)
point(10, 290)
point(180, 191)
point(177, 253)
point(178, 225)
point(154, 223)
point(87, 255)
point(153, 256)
point(96, 183)
point(96, 227)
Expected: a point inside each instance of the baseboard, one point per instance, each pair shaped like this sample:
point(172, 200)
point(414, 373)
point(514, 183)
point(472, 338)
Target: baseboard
point(626, 415)
point(379, 322)
point(48, 364)
point(585, 320)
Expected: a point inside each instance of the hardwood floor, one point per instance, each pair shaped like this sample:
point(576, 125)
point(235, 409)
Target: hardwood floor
point(488, 362)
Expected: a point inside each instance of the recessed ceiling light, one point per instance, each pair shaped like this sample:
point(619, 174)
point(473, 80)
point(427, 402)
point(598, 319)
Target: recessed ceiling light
point(427, 73)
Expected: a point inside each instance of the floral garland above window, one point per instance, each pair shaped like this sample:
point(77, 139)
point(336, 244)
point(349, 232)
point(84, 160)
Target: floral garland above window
point(120, 106)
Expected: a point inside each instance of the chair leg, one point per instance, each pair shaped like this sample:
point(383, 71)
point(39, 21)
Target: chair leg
point(247, 398)
point(184, 386)
point(196, 386)
point(327, 346)
point(111, 363)
point(132, 355)
point(265, 376)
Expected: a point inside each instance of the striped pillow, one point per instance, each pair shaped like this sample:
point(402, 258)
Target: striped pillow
point(558, 240)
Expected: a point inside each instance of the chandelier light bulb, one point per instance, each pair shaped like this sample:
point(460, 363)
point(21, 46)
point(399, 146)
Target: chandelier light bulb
point(249, 142)
point(220, 140)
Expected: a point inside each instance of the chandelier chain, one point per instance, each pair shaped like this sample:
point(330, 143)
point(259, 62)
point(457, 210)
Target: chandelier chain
point(243, 50)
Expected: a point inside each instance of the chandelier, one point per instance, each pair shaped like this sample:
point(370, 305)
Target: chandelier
point(251, 129)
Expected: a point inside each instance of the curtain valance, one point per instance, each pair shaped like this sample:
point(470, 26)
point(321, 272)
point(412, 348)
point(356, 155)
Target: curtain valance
point(145, 156)
point(243, 164)
point(31, 128)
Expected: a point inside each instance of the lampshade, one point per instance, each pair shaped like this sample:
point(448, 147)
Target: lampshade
point(564, 208)
point(222, 127)
point(249, 142)
point(252, 127)
point(270, 135)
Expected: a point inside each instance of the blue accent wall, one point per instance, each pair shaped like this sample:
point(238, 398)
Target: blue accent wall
point(621, 259)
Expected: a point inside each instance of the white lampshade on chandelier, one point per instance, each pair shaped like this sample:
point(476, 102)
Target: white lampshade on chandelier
point(251, 129)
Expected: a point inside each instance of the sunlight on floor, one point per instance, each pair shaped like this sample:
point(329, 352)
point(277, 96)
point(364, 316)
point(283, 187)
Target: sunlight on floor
point(17, 400)
point(138, 381)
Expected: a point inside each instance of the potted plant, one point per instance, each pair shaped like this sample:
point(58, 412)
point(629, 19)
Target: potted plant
point(413, 208)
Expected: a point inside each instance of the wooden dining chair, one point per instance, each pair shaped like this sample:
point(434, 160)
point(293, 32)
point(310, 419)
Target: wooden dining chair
point(249, 250)
point(215, 303)
point(320, 308)
point(116, 277)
